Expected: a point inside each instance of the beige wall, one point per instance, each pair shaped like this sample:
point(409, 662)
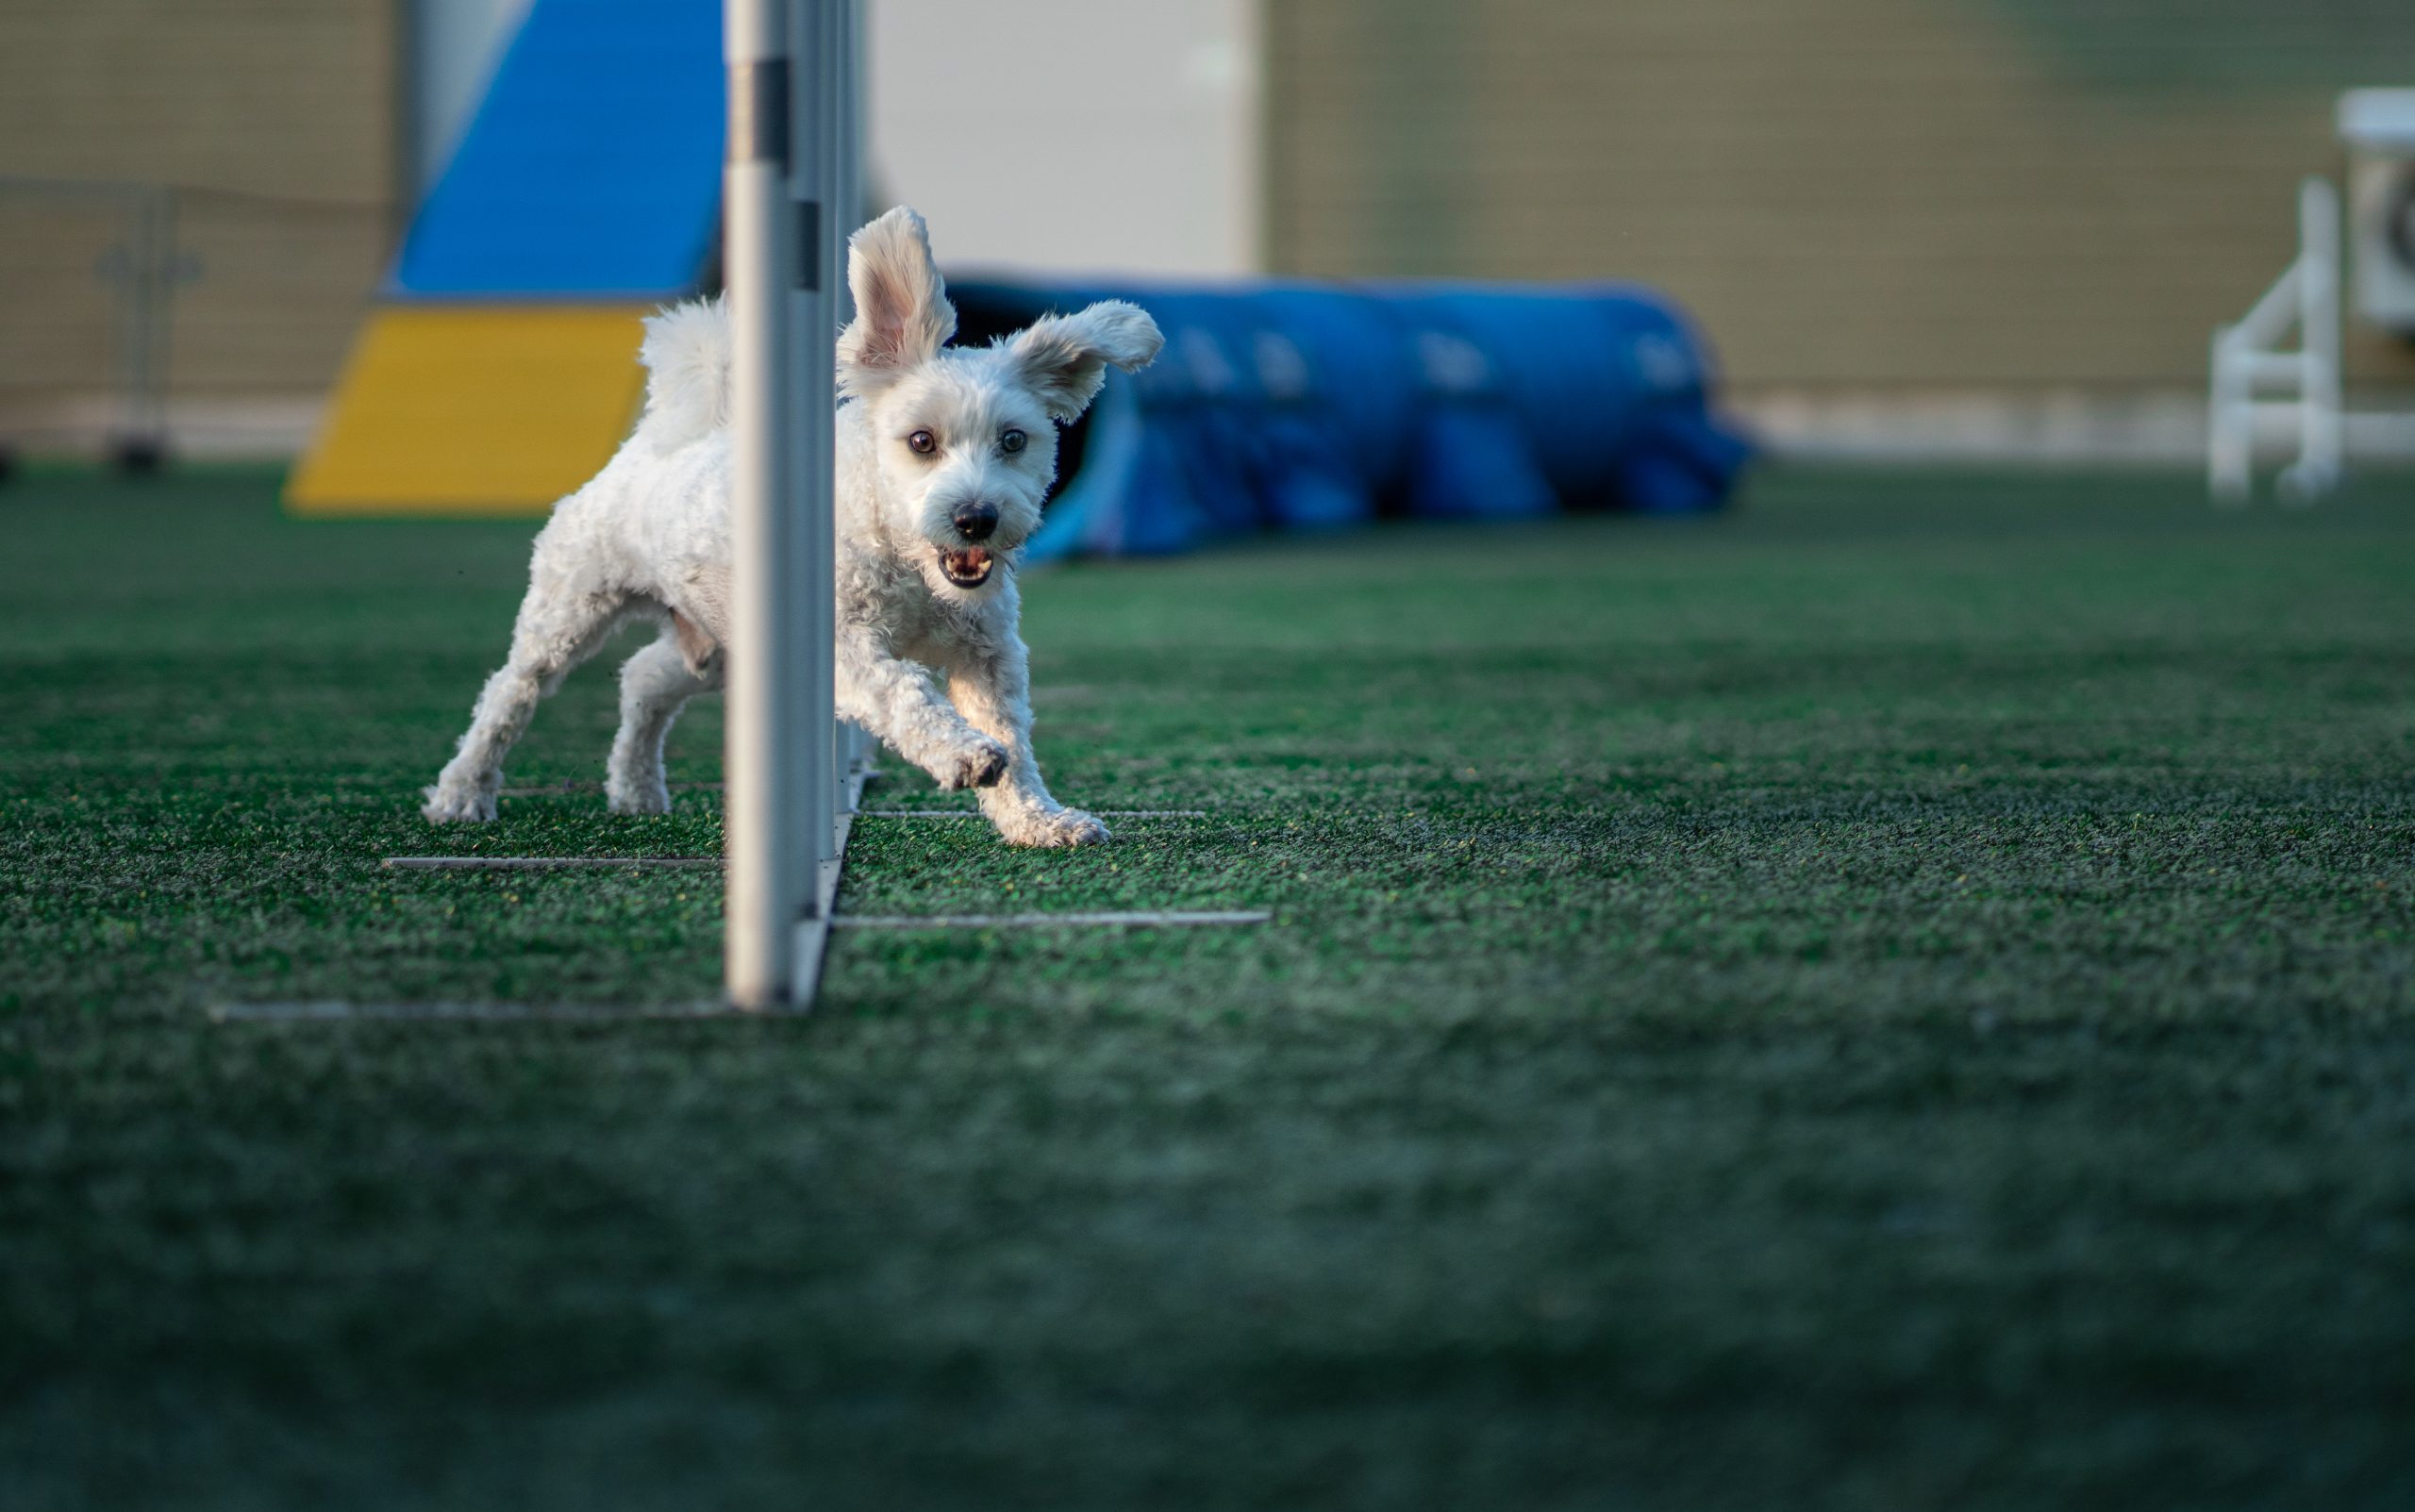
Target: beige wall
point(1850, 193)
point(1087, 136)
point(276, 118)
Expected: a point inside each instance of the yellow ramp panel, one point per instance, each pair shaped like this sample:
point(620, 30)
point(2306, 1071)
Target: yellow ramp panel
point(472, 410)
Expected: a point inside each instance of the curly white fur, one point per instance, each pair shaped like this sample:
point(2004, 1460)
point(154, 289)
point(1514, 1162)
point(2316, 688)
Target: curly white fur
point(944, 456)
point(685, 353)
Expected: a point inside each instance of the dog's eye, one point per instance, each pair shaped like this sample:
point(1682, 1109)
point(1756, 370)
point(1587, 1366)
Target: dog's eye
point(1012, 442)
point(923, 443)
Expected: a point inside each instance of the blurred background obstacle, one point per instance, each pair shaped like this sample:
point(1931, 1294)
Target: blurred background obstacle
point(2262, 391)
point(1309, 406)
point(125, 235)
point(498, 371)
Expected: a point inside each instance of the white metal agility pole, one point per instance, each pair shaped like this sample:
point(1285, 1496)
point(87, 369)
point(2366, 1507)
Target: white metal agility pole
point(789, 198)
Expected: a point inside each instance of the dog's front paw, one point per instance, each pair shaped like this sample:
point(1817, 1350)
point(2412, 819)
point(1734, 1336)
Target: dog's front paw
point(981, 764)
point(1073, 827)
point(1066, 826)
point(458, 805)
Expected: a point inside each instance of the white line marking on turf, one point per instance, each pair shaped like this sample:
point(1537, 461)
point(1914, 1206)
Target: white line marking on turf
point(336, 1011)
point(1160, 919)
point(547, 863)
point(972, 813)
point(572, 790)
point(535, 863)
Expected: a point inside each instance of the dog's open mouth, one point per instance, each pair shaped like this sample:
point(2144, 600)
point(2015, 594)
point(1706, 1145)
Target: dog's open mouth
point(967, 567)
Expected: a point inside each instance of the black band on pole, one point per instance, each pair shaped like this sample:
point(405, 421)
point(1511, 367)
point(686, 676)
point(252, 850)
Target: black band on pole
point(808, 244)
point(758, 112)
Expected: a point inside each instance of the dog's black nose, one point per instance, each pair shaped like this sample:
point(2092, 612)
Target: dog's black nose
point(974, 522)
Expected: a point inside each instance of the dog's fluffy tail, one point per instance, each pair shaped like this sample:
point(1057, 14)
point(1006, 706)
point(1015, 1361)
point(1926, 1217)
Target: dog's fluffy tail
point(686, 354)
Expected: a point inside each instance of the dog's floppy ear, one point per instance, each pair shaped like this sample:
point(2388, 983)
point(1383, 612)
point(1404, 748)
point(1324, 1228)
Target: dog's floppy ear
point(902, 314)
point(1063, 359)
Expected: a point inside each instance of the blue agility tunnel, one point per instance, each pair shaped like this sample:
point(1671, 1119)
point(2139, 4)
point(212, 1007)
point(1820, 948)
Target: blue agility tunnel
point(1293, 407)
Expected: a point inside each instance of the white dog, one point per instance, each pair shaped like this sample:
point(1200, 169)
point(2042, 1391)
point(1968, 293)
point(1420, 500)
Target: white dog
point(944, 458)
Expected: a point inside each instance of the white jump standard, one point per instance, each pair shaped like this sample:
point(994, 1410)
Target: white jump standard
point(2263, 390)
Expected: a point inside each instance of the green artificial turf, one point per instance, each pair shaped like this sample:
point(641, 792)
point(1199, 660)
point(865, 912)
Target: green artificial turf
point(1898, 997)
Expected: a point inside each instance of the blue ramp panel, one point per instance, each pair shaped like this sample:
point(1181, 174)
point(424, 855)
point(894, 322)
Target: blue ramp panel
point(592, 168)
point(1302, 406)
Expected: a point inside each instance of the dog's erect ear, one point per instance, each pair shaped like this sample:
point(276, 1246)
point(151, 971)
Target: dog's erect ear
point(1064, 357)
point(902, 313)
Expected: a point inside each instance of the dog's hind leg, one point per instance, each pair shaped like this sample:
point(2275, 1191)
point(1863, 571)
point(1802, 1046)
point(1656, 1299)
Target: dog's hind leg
point(560, 626)
point(656, 684)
